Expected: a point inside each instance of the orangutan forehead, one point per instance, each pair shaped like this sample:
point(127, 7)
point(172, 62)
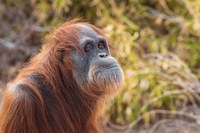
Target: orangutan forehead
point(86, 31)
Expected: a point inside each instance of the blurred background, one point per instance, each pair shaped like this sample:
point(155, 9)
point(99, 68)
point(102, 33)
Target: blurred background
point(157, 43)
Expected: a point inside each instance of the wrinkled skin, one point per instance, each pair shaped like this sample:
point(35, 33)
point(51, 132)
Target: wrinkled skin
point(96, 67)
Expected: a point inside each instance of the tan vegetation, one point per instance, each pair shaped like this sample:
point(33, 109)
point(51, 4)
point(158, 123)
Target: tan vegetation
point(157, 42)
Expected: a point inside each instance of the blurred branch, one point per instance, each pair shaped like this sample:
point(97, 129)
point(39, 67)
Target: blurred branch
point(7, 43)
point(169, 123)
point(38, 28)
point(11, 45)
point(163, 112)
point(159, 14)
point(189, 7)
point(165, 6)
point(170, 93)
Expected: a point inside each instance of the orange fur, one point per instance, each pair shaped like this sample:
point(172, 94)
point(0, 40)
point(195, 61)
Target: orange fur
point(44, 97)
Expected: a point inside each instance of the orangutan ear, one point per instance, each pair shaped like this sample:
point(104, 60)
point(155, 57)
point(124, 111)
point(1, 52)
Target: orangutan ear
point(61, 55)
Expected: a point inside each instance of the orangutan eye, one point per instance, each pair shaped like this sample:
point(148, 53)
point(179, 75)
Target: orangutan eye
point(88, 47)
point(101, 45)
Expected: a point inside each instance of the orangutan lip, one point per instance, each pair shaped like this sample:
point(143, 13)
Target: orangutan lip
point(112, 66)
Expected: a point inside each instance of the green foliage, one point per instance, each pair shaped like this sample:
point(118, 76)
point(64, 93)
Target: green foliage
point(145, 34)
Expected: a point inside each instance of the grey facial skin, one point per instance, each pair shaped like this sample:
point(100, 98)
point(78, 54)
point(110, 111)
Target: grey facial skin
point(97, 66)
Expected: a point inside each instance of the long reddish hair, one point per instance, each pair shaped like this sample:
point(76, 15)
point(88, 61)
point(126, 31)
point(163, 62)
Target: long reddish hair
point(45, 97)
